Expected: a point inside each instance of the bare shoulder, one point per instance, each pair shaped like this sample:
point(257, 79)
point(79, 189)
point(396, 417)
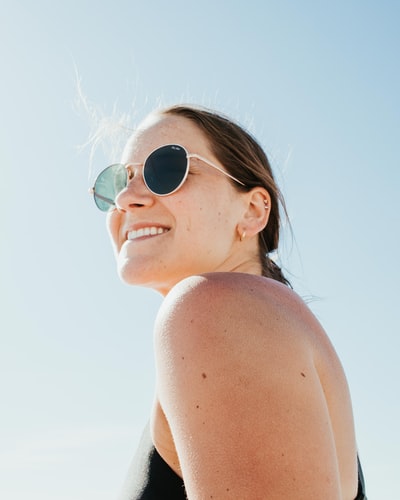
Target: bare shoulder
point(218, 319)
point(244, 302)
point(214, 290)
point(252, 391)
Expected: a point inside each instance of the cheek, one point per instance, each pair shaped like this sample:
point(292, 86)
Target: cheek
point(206, 223)
point(195, 217)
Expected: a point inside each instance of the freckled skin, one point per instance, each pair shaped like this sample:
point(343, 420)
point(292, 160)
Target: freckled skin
point(251, 397)
point(270, 353)
point(202, 216)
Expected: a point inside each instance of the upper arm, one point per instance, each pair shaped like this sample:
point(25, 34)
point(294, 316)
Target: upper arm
point(242, 397)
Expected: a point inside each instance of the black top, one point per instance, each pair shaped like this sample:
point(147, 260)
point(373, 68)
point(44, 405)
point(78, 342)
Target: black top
point(151, 478)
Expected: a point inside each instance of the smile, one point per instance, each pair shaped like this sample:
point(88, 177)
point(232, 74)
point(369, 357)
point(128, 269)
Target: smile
point(145, 231)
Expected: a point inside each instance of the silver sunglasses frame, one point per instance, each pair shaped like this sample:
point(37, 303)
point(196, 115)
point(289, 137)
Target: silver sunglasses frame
point(188, 157)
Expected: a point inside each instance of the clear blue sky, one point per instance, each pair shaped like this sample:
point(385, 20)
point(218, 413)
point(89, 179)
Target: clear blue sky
point(317, 82)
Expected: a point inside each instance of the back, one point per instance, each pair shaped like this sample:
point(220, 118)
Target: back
point(254, 395)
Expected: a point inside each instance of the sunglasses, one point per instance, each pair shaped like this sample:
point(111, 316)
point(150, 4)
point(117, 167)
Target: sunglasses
point(164, 172)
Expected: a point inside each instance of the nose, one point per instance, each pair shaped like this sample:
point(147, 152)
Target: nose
point(135, 194)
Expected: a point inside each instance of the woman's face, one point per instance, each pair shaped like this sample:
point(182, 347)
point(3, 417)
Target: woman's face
point(191, 231)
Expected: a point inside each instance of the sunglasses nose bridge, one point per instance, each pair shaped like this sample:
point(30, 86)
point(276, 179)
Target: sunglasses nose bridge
point(130, 171)
point(131, 174)
point(135, 192)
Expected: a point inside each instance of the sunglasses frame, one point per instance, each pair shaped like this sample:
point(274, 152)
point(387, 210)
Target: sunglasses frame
point(129, 173)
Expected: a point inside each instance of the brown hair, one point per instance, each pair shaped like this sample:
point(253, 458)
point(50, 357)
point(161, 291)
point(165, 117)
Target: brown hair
point(243, 158)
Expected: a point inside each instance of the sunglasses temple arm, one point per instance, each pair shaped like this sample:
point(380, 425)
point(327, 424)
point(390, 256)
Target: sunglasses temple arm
point(193, 155)
point(97, 195)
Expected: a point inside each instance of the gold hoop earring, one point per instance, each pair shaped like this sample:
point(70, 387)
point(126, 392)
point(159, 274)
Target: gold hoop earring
point(243, 236)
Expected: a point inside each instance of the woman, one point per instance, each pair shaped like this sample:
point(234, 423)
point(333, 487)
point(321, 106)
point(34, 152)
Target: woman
point(251, 401)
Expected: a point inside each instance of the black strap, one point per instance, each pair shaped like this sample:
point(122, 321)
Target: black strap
point(150, 477)
point(361, 483)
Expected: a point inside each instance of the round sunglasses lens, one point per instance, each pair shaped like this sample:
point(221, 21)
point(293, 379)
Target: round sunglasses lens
point(165, 169)
point(109, 183)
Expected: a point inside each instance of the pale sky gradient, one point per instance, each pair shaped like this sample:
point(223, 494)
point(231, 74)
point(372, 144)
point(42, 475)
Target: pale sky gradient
point(317, 82)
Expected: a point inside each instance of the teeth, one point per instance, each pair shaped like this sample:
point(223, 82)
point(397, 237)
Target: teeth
point(146, 231)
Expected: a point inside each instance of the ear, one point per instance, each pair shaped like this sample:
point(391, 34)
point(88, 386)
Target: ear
point(256, 215)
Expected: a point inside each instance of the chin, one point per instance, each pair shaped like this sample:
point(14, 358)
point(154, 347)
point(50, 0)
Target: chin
point(131, 274)
point(148, 277)
point(134, 274)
